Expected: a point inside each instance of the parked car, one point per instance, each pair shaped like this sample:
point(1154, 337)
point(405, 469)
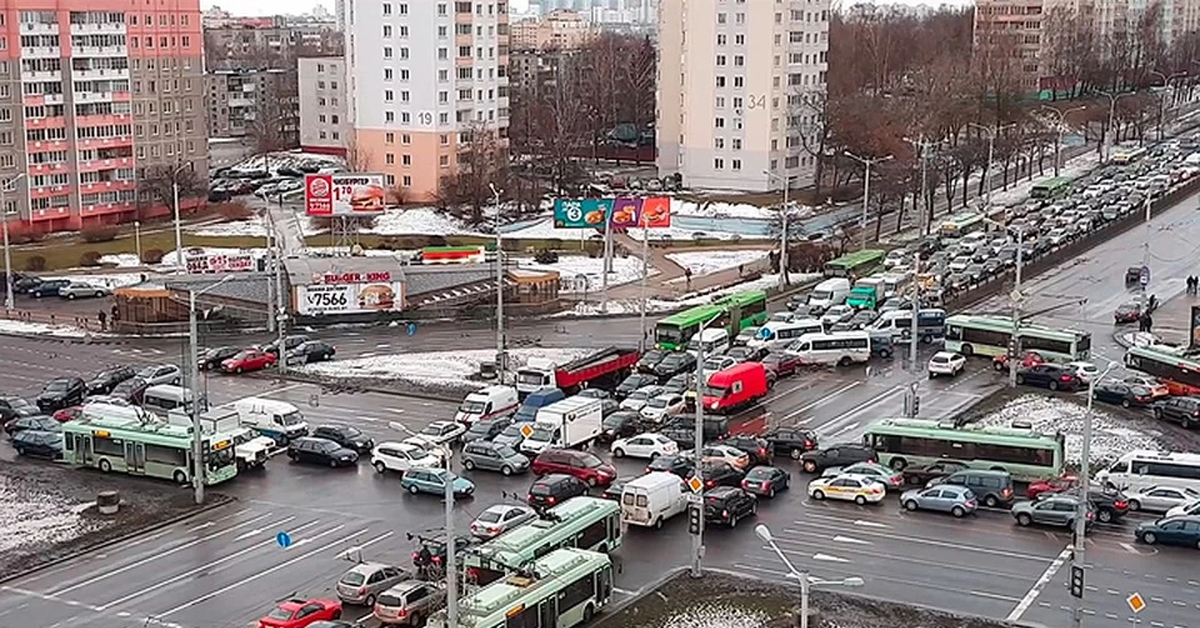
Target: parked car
point(859, 489)
point(512, 437)
point(551, 490)
point(638, 399)
point(921, 475)
point(1161, 498)
point(38, 443)
point(156, 374)
point(501, 518)
point(1110, 504)
point(61, 393)
point(581, 464)
point(716, 473)
point(393, 456)
point(488, 456)
point(758, 449)
point(885, 475)
point(1056, 510)
point(995, 488)
point(672, 464)
point(248, 360)
point(1187, 508)
point(433, 481)
point(838, 455)
point(320, 451)
point(48, 288)
point(1157, 389)
point(634, 382)
point(1182, 530)
point(766, 481)
point(37, 422)
point(1123, 394)
point(1052, 376)
point(1183, 410)
point(648, 445)
point(486, 430)
point(726, 505)
point(791, 441)
point(956, 500)
point(289, 343)
point(661, 406)
point(300, 613)
point(1050, 485)
point(105, 381)
point(13, 407)
point(82, 290)
point(650, 359)
point(130, 390)
point(311, 351)
point(409, 603)
point(620, 424)
point(363, 583)
point(674, 363)
point(351, 438)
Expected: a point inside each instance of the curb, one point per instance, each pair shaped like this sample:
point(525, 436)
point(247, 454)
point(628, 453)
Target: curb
point(70, 340)
point(226, 500)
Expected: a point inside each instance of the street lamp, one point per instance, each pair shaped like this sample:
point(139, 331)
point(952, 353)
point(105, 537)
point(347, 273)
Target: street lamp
point(1166, 85)
point(867, 162)
point(500, 357)
point(8, 186)
point(178, 225)
point(987, 170)
point(197, 444)
point(1082, 507)
point(1061, 114)
point(698, 538)
point(1017, 297)
point(1112, 112)
point(783, 214)
point(807, 582)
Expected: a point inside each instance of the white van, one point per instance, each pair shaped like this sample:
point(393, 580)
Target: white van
point(895, 283)
point(653, 498)
point(487, 403)
point(163, 398)
point(830, 292)
point(1139, 469)
point(277, 420)
point(841, 348)
point(714, 340)
point(931, 324)
point(776, 334)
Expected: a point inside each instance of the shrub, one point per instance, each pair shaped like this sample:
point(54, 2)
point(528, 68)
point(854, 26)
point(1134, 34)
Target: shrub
point(546, 256)
point(35, 263)
point(99, 233)
point(89, 258)
point(153, 256)
point(234, 211)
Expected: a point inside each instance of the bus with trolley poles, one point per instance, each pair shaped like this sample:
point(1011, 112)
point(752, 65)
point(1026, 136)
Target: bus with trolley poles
point(991, 336)
point(856, 264)
point(1051, 188)
point(961, 224)
point(734, 311)
point(1177, 367)
point(1025, 454)
point(584, 522)
point(147, 446)
point(563, 589)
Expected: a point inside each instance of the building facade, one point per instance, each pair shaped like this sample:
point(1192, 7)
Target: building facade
point(732, 79)
point(562, 29)
point(424, 78)
point(325, 125)
point(253, 102)
point(112, 93)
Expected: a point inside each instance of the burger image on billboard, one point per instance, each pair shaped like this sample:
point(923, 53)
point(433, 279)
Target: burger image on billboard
point(377, 296)
point(368, 198)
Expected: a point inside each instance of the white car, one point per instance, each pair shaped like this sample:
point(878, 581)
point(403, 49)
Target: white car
point(946, 363)
point(641, 397)
point(649, 445)
point(894, 258)
point(1161, 498)
point(718, 363)
point(662, 406)
point(393, 456)
point(442, 432)
point(731, 456)
point(437, 451)
point(836, 313)
point(1086, 371)
point(859, 489)
point(501, 518)
point(1190, 508)
point(156, 374)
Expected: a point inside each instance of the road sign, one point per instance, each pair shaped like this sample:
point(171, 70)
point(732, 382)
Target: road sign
point(695, 484)
point(1144, 276)
point(1016, 295)
point(1135, 602)
point(283, 539)
point(526, 430)
point(411, 328)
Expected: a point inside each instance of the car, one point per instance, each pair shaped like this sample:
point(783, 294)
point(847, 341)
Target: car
point(634, 382)
point(860, 320)
point(1085, 370)
point(717, 473)
point(488, 456)
point(887, 476)
point(837, 455)
point(13, 407)
point(922, 474)
point(637, 399)
point(363, 583)
point(105, 381)
point(757, 448)
point(512, 437)
point(38, 443)
point(48, 288)
point(156, 374)
point(1133, 274)
point(24, 284)
point(82, 290)
point(501, 518)
point(994, 487)
point(613, 491)
point(39, 422)
point(1028, 359)
point(791, 441)
point(836, 314)
point(431, 550)
point(1128, 312)
point(746, 354)
point(726, 505)
point(1050, 485)
point(1160, 498)
point(1052, 376)
point(71, 413)
point(486, 430)
point(408, 603)
point(211, 359)
point(620, 424)
point(1189, 508)
point(248, 360)
point(859, 489)
point(393, 456)
point(661, 406)
point(1055, 510)
point(301, 613)
point(595, 393)
point(766, 481)
point(581, 464)
point(715, 363)
point(647, 445)
point(1182, 410)
point(675, 363)
point(650, 359)
point(732, 456)
point(311, 351)
point(946, 363)
point(289, 343)
point(433, 481)
point(130, 390)
point(1180, 530)
point(956, 500)
point(747, 334)
point(60, 393)
point(320, 451)
point(680, 383)
point(1122, 394)
point(675, 463)
point(551, 490)
point(782, 364)
point(1110, 504)
point(1157, 388)
point(351, 438)
point(442, 432)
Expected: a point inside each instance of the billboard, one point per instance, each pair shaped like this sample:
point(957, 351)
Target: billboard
point(346, 194)
point(588, 213)
point(1195, 335)
point(622, 213)
point(351, 293)
point(201, 263)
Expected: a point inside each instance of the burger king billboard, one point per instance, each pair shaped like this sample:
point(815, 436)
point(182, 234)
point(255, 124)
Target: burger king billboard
point(346, 194)
point(351, 293)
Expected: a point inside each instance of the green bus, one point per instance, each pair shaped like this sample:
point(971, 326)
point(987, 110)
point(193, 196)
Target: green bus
point(961, 224)
point(1177, 367)
point(991, 336)
point(1025, 454)
point(736, 312)
point(856, 264)
point(584, 522)
point(1051, 188)
point(563, 589)
point(146, 447)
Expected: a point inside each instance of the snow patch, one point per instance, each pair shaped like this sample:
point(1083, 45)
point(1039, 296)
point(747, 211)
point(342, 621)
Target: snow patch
point(1073, 168)
point(418, 221)
point(29, 328)
point(735, 210)
point(36, 519)
point(579, 273)
point(120, 260)
point(715, 615)
point(113, 281)
point(703, 263)
point(435, 369)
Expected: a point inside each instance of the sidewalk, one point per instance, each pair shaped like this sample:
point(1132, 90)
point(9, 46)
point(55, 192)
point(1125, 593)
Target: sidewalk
point(287, 229)
point(661, 286)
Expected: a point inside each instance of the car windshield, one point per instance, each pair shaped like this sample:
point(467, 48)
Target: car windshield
point(433, 429)
point(506, 452)
point(657, 402)
point(639, 394)
point(940, 359)
point(542, 434)
point(612, 421)
point(291, 418)
point(490, 516)
point(147, 372)
point(353, 578)
point(512, 430)
point(475, 407)
point(653, 355)
point(589, 461)
point(758, 473)
point(674, 360)
point(279, 613)
point(350, 432)
point(540, 488)
point(244, 355)
point(57, 385)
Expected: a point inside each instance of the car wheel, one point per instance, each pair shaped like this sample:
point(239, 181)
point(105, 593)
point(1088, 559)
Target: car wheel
point(106, 466)
point(1020, 379)
point(1024, 519)
point(506, 470)
point(796, 453)
point(20, 451)
point(413, 489)
point(619, 453)
point(333, 464)
point(175, 381)
point(932, 375)
point(898, 464)
point(379, 466)
point(180, 477)
point(71, 296)
point(958, 512)
point(237, 371)
point(860, 500)
point(1135, 505)
point(658, 523)
point(1125, 403)
point(818, 494)
point(810, 466)
point(469, 464)
point(1185, 423)
point(337, 614)
point(1053, 385)
point(415, 618)
point(369, 602)
point(1105, 516)
point(1158, 413)
point(911, 505)
point(990, 501)
point(844, 362)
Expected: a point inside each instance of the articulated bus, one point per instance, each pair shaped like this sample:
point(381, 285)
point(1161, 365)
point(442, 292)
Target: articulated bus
point(735, 312)
point(961, 224)
point(1176, 367)
point(563, 589)
point(856, 264)
point(146, 447)
point(991, 336)
point(1023, 453)
point(1051, 188)
point(584, 522)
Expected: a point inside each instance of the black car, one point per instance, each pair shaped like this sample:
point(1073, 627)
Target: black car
point(1052, 376)
point(620, 424)
point(311, 351)
point(634, 382)
point(613, 491)
point(25, 284)
point(38, 422)
point(130, 390)
point(715, 428)
point(38, 443)
point(13, 407)
point(212, 358)
point(553, 489)
point(675, 363)
point(650, 359)
point(48, 288)
point(679, 384)
point(683, 435)
point(747, 354)
point(431, 550)
point(1182, 410)
point(725, 505)
point(766, 481)
point(289, 343)
point(838, 455)
point(1110, 504)
point(1123, 394)
point(715, 473)
point(1133, 274)
point(63, 392)
point(757, 448)
point(105, 381)
point(921, 475)
point(673, 463)
point(486, 430)
point(320, 451)
point(348, 437)
point(791, 441)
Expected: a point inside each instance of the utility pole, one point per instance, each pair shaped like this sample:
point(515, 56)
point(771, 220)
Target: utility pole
point(8, 186)
point(282, 301)
point(786, 181)
point(1146, 252)
point(1017, 297)
point(916, 302)
point(698, 537)
point(194, 382)
point(867, 162)
point(1061, 115)
point(451, 544)
point(642, 345)
point(178, 224)
point(271, 307)
point(501, 358)
point(1077, 554)
point(607, 266)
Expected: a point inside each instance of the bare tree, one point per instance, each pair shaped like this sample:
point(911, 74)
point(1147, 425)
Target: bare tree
point(156, 186)
point(482, 163)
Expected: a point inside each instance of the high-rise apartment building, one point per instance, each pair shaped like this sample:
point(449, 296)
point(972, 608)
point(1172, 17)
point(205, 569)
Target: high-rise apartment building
point(325, 125)
point(732, 79)
point(96, 95)
point(424, 77)
point(562, 29)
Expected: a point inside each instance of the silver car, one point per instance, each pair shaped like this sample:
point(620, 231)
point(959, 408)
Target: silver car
point(1161, 498)
point(501, 518)
point(487, 456)
point(956, 500)
point(365, 581)
point(81, 290)
point(156, 374)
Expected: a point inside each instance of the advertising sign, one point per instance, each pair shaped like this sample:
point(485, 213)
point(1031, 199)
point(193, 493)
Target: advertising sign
point(626, 212)
point(1195, 335)
point(588, 213)
point(346, 194)
point(656, 212)
point(350, 298)
point(202, 263)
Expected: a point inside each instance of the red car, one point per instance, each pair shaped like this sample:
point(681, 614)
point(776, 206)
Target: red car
point(68, 414)
point(1031, 358)
point(296, 613)
point(248, 360)
point(1052, 485)
point(578, 464)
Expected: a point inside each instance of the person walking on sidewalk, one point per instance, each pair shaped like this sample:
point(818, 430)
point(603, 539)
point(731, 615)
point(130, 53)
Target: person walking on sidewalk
point(103, 318)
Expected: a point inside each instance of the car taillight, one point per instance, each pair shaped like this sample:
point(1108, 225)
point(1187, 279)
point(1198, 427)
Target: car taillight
point(969, 504)
point(875, 490)
point(1091, 515)
point(1065, 378)
point(437, 560)
point(362, 590)
point(1120, 504)
point(808, 444)
point(710, 483)
point(402, 612)
point(1007, 492)
point(416, 556)
point(766, 486)
point(724, 514)
point(550, 500)
point(493, 529)
point(762, 451)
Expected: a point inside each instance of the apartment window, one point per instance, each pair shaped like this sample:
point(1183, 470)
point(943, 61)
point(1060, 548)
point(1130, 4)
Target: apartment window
point(387, 74)
point(739, 39)
point(387, 30)
point(387, 8)
point(719, 143)
point(720, 60)
point(444, 161)
point(387, 96)
point(406, 160)
point(739, 61)
point(404, 52)
point(720, 81)
point(403, 9)
point(722, 18)
point(406, 139)
point(719, 163)
point(404, 74)
point(719, 123)
point(404, 30)
point(389, 159)
point(390, 179)
point(739, 81)
point(737, 143)
point(387, 52)
point(404, 95)
point(721, 39)
point(736, 164)
point(389, 116)
point(407, 181)
point(389, 138)
point(444, 139)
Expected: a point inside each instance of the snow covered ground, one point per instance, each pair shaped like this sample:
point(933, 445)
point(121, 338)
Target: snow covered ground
point(734, 210)
point(28, 328)
point(435, 369)
point(121, 260)
point(708, 262)
point(41, 518)
point(113, 281)
point(1076, 167)
point(1111, 436)
point(579, 273)
point(290, 159)
point(418, 221)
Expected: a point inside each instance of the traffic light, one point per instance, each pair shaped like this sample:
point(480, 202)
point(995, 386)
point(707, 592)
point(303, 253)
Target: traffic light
point(1077, 581)
point(916, 405)
point(694, 514)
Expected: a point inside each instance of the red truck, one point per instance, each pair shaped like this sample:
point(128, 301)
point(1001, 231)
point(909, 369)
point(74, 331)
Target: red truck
point(602, 369)
point(736, 387)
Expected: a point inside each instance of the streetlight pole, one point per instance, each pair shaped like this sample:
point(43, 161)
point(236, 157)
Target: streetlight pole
point(916, 302)
point(178, 225)
point(501, 359)
point(867, 162)
point(987, 170)
point(783, 236)
point(451, 544)
point(1061, 114)
point(1016, 296)
point(1112, 113)
point(698, 538)
point(1077, 555)
point(137, 239)
point(194, 359)
point(8, 186)
point(642, 345)
point(807, 582)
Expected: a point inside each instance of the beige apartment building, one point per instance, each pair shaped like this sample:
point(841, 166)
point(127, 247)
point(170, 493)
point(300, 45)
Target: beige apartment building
point(732, 76)
point(325, 125)
point(562, 29)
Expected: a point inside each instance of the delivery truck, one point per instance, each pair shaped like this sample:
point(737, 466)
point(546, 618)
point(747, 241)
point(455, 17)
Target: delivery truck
point(602, 369)
point(572, 422)
point(250, 449)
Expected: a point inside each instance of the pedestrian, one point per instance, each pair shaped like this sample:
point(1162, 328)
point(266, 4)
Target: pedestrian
point(116, 314)
point(103, 318)
point(1149, 324)
point(741, 270)
point(687, 274)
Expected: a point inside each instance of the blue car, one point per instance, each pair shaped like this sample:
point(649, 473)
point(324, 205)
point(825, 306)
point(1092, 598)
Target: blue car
point(956, 500)
point(433, 481)
point(1182, 530)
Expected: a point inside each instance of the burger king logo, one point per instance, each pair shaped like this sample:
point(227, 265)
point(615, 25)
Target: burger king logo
point(318, 187)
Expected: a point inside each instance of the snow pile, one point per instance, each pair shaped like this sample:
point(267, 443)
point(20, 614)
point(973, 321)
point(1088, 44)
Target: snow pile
point(653, 306)
point(120, 260)
point(706, 209)
point(579, 273)
point(35, 519)
point(254, 227)
point(418, 221)
point(618, 307)
point(293, 160)
point(708, 262)
point(680, 234)
point(545, 230)
point(715, 615)
point(1111, 437)
point(113, 281)
point(435, 369)
point(29, 328)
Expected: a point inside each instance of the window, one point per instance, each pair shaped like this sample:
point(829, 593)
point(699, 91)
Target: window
point(719, 164)
point(719, 123)
point(389, 159)
point(406, 160)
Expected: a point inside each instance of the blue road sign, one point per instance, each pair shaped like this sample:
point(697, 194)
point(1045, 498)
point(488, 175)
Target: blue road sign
point(283, 539)
point(1144, 276)
point(411, 329)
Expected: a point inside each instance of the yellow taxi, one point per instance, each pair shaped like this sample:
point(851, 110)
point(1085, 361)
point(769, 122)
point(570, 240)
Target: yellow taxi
point(860, 489)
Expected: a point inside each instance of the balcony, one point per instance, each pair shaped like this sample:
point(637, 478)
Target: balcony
point(53, 99)
point(41, 75)
point(106, 164)
point(41, 52)
point(56, 122)
point(241, 102)
point(86, 97)
point(99, 51)
point(45, 145)
point(108, 28)
point(100, 73)
point(54, 213)
point(115, 185)
point(113, 141)
point(39, 28)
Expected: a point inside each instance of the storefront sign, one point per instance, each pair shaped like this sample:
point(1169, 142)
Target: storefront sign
point(350, 298)
point(220, 263)
point(376, 277)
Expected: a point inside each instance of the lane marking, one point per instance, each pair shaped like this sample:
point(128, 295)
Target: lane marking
point(1037, 587)
point(622, 591)
point(850, 540)
point(50, 598)
point(995, 596)
point(814, 404)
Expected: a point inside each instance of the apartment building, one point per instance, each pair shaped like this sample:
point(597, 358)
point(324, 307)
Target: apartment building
point(561, 29)
point(254, 102)
point(325, 125)
point(424, 76)
point(732, 76)
point(1012, 31)
point(111, 91)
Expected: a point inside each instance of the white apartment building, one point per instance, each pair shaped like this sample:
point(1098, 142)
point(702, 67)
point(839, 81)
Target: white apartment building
point(731, 74)
point(324, 107)
point(422, 75)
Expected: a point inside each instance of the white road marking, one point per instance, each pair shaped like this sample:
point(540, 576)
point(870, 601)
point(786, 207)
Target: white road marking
point(844, 429)
point(249, 533)
point(819, 402)
point(870, 524)
point(995, 596)
point(396, 410)
point(622, 591)
point(850, 540)
point(1129, 548)
point(1037, 587)
point(830, 559)
point(50, 597)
